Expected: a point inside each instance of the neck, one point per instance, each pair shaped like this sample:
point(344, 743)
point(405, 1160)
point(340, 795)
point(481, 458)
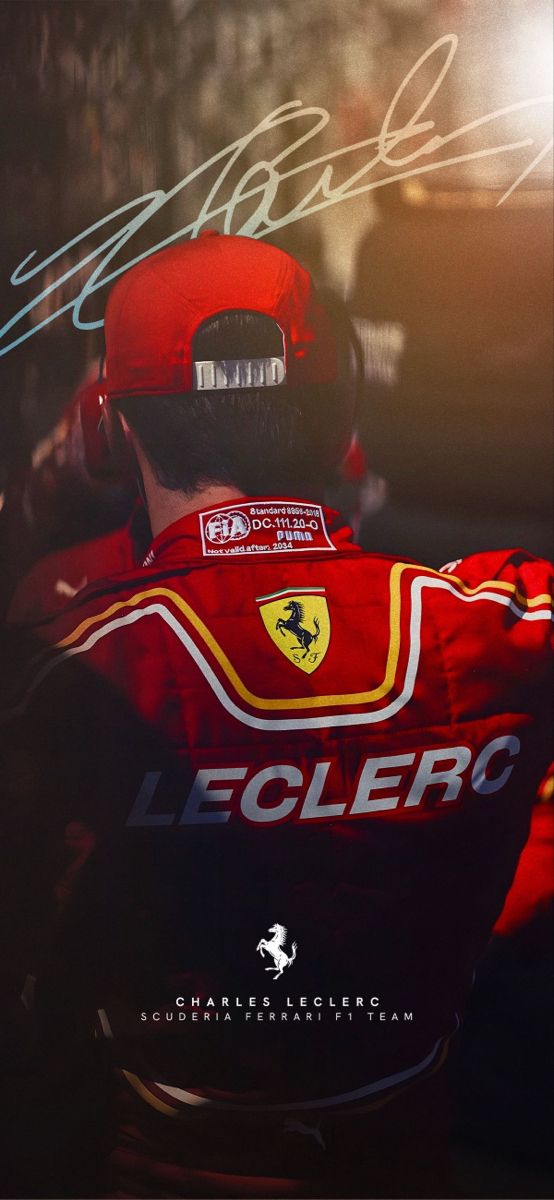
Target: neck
point(165, 507)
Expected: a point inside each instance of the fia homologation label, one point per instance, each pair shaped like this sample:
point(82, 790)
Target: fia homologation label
point(264, 527)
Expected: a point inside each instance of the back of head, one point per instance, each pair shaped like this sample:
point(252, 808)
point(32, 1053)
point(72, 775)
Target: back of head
point(228, 368)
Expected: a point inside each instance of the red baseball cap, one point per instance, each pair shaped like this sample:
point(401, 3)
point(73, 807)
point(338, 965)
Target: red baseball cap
point(156, 308)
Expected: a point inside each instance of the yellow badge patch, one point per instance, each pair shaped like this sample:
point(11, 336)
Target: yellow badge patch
point(299, 625)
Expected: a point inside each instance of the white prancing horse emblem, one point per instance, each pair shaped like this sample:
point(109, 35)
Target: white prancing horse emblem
point(275, 949)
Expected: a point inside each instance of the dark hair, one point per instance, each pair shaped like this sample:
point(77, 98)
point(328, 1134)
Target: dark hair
point(261, 440)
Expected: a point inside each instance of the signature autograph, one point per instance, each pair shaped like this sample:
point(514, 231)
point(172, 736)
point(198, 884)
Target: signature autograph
point(407, 150)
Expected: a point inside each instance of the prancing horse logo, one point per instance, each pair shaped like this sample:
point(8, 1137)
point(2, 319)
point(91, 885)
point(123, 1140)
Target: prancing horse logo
point(275, 949)
point(298, 623)
point(305, 638)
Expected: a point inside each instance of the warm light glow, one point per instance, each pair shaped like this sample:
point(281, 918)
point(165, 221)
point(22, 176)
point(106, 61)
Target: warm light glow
point(533, 63)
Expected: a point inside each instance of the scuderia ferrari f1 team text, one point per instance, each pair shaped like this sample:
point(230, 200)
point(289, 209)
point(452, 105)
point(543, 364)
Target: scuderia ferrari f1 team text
point(288, 1008)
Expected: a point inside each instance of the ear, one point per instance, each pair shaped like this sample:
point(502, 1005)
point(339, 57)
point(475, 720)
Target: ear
point(127, 454)
point(127, 444)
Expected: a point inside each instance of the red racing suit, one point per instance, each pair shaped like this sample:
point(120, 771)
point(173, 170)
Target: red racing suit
point(284, 785)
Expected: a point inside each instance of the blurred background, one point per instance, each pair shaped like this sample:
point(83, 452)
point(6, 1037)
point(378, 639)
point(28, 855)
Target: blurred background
point(102, 101)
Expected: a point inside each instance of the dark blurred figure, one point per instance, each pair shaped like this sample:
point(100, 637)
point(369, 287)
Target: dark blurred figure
point(65, 515)
point(453, 305)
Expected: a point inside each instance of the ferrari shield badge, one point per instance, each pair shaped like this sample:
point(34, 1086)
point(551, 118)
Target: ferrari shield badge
point(298, 623)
